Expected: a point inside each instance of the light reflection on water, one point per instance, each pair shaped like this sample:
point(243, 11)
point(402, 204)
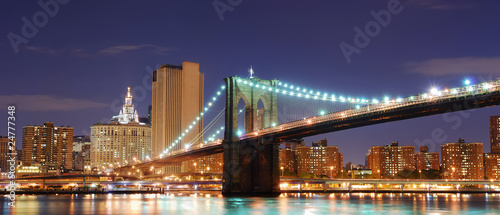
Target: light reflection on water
point(214, 203)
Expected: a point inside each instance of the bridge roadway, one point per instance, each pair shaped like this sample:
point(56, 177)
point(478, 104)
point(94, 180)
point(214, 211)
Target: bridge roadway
point(458, 99)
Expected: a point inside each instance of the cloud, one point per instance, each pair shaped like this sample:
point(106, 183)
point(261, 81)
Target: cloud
point(108, 51)
point(454, 66)
point(48, 103)
point(441, 4)
point(126, 48)
point(41, 50)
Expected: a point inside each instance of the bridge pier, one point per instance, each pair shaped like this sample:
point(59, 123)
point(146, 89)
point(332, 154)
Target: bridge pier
point(251, 169)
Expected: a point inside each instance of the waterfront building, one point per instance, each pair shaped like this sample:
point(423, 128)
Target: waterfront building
point(288, 157)
point(49, 146)
point(387, 161)
point(462, 160)
point(4, 156)
point(176, 103)
point(121, 141)
point(207, 164)
point(495, 134)
point(492, 166)
point(319, 159)
point(425, 160)
point(81, 153)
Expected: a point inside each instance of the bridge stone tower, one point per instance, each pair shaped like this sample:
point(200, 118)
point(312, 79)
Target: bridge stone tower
point(251, 168)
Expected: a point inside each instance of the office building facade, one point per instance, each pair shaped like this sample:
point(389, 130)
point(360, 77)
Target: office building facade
point(177, 102)
point(121, 141)
point(49, 146)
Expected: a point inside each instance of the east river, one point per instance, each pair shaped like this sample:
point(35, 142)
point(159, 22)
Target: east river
point(214, 203)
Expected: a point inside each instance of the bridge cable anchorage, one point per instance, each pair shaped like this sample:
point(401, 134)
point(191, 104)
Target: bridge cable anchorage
point(434, 94)
point(198, 118)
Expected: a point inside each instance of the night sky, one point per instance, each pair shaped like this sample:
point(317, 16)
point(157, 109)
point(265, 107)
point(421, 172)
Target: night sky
point(75, 69)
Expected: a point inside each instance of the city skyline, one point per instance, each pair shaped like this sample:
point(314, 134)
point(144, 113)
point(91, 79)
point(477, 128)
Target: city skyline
point(398, 72)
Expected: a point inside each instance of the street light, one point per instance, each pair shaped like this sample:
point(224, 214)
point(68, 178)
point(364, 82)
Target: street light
point(282, 171)
point(420, 172)
point(342, 173)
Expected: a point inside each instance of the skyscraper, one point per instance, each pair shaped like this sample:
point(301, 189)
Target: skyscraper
point(495, 134)
point(49, 146)
point(121, 140)
point(462, 160)
point(177, 102)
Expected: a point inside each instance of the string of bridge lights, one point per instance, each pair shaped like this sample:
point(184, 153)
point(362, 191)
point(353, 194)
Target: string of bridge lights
point(293, 90)
point(198, 118)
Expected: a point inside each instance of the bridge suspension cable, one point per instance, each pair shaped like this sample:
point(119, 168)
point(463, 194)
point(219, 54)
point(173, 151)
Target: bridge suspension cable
point(291, 90)
point(198, 118)
point(205, 129)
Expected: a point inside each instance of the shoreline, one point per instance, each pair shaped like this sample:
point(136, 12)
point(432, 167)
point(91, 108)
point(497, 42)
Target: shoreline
point(56, 192)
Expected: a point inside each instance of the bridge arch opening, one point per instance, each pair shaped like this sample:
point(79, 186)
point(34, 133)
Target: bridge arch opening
point(242, 111)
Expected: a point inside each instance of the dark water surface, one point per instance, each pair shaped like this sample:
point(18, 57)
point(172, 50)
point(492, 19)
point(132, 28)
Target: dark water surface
point(214, 203)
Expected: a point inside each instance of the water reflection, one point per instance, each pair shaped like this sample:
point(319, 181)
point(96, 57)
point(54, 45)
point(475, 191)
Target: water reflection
point(214, 203)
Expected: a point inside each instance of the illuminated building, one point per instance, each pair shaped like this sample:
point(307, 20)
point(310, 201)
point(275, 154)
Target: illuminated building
point(319, 159)
point(492, 166)
point(4, 150)
point(177, 102)
point(49, 146)
point(462, 160)
point(208, 164)
point(288, 156)
point(119, 142)
point(128, 114)
point(28, 170)
point(387, 161)
point(495, 134)
point(81, 153)
point(426, 160)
